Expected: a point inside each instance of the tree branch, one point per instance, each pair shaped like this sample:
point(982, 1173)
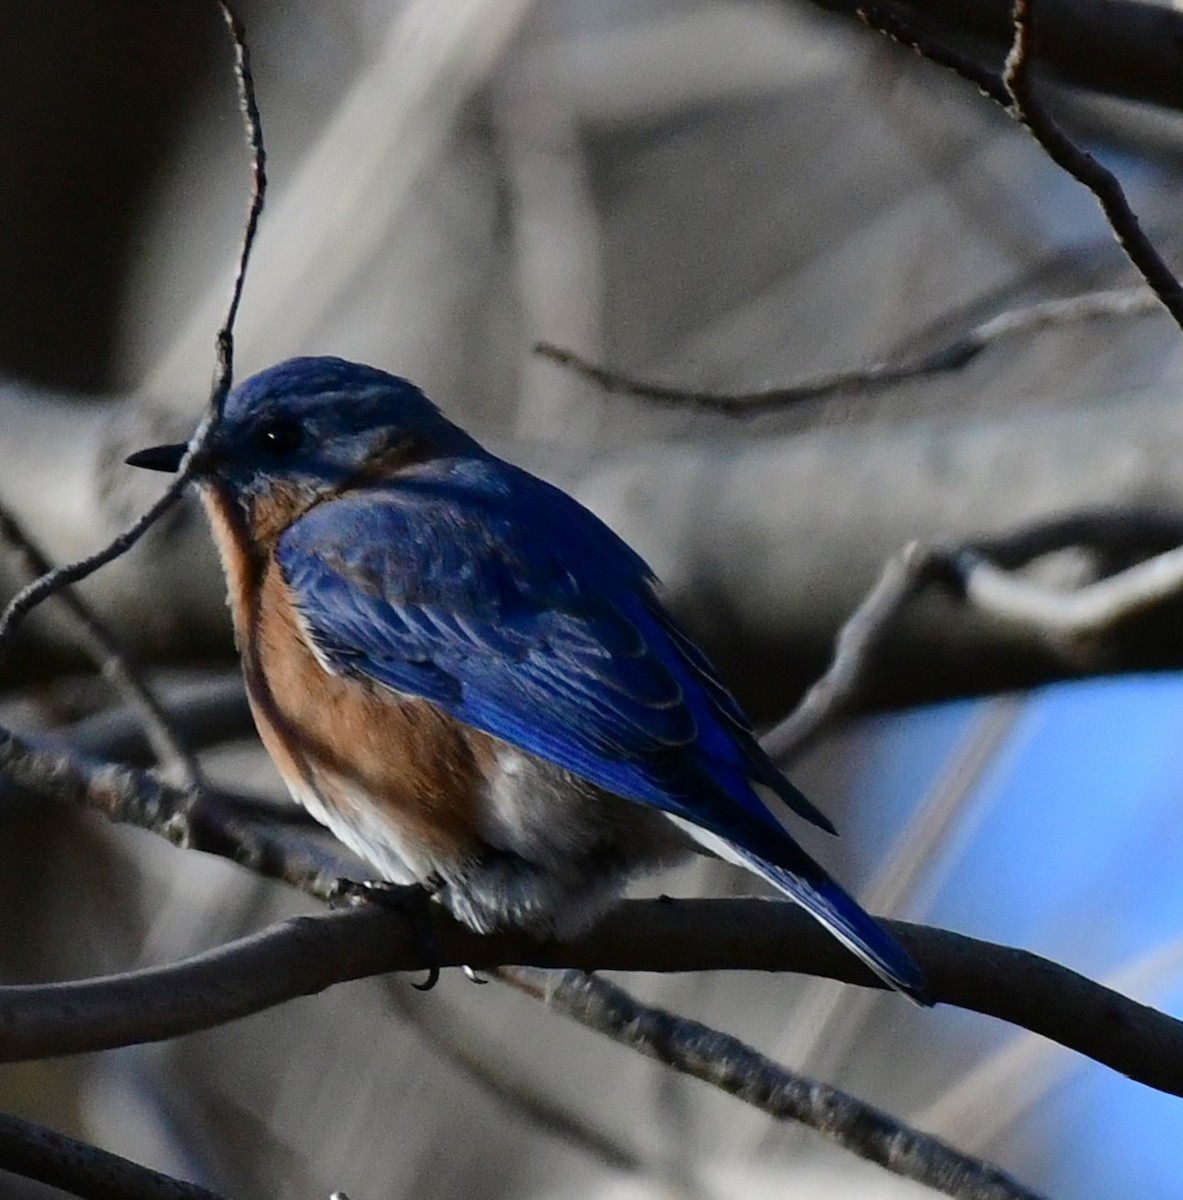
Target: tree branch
point(82, 1169)
point(737, 1069)
point(1027, 109)
point(1014, 92)
point(1126, 48)
point(970, 574)
point(306, 955)
point(835, 693)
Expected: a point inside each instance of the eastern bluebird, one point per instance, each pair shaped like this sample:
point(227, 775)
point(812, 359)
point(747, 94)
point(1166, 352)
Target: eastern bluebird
point(469, 678)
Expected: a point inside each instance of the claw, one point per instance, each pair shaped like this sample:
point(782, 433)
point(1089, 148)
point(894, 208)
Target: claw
point(410, 901)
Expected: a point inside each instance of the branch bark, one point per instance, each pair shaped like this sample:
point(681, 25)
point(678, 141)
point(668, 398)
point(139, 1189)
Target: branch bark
point(305, 955)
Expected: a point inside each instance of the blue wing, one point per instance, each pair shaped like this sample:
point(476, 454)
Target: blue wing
point(502, 601)
point(518, 612)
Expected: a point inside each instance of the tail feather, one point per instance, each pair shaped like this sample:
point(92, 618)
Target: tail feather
point(809, 885)
point(856, 929)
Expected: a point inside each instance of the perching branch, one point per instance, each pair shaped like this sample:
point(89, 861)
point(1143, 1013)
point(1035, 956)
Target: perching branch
point(306, 955)
point(736, 1068)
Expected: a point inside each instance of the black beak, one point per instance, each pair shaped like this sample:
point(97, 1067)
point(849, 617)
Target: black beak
point(159, 458)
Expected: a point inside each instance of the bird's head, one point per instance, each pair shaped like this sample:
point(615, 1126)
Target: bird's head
point(311, 428)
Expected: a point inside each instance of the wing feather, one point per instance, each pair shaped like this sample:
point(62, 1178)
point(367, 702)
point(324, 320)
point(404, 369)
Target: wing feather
point(576, 660)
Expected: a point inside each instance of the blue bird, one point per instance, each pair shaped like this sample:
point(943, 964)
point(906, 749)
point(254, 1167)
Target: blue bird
point(469, 678)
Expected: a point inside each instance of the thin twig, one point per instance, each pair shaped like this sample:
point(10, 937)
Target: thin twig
point(1014, 92)
point(497, 1075)
point(736, 1068)
point(112, 660)
point(65, 1163)
point(952, 356)
point(34, 593)
point(750, 404)
point(1027, 109)
point(41, 589)
point(253, 129)
point(889, 19)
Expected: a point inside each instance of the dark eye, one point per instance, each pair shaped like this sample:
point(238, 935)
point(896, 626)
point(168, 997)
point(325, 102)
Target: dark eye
point(279, 436)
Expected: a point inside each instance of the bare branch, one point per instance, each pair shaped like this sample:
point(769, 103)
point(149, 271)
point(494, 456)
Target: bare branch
point(1082, 612)
point(1025, 107)
point(1014, 91)
point(81, 1169)
point(306, 955)
point(214, 824)
point(952, 356)
point(34, 593)
point(734, 1067)
point(112, 660)
point(969, 572)
point(1123, 48)
point(253, 129)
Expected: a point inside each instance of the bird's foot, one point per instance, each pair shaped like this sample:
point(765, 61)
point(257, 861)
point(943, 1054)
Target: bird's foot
point(411, 901)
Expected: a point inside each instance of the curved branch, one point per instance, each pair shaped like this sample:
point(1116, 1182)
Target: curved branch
point(976, 573)
point(877, 376)
point(306, 955)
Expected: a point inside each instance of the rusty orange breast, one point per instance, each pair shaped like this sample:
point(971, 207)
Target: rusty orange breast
point(347, 739)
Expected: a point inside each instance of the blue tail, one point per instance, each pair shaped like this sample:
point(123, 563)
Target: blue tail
point(841, 915)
